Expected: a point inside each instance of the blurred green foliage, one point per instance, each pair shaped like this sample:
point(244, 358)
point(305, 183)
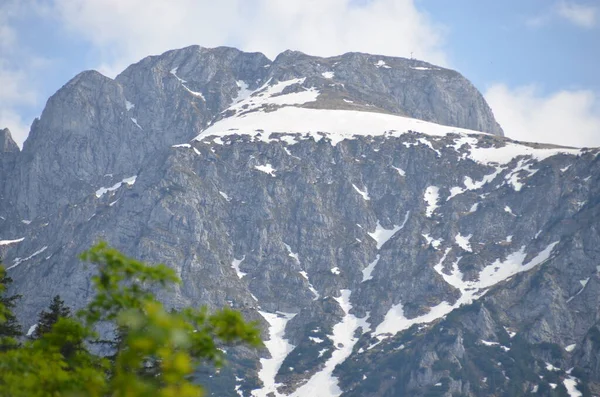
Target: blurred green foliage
point(157, 352)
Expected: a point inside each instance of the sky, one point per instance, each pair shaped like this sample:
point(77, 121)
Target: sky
point(535, 61)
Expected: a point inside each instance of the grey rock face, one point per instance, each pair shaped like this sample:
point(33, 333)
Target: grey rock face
point(395, 85)
point(405, 264)
point(96, 131)
point(7, 144)
point(9, 152)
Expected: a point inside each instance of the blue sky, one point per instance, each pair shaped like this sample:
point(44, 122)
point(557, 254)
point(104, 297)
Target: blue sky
point(520, 42)
point(535, 60)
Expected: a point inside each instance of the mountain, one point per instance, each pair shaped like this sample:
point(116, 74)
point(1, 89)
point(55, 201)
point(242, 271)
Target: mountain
point(351, 204)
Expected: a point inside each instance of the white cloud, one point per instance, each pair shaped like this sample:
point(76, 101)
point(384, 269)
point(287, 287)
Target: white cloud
point(578, 14)
point(7, 35)
point(332, 27)
point(584, 16)
point(18, 127)
point(567, 117)
point(15, 92)
point(123, 32)
point(16, 68)
point(538, 20)
point(14, 88)
point(120, 32)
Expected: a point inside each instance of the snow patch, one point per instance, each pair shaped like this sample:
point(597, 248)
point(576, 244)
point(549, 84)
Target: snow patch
point(583, 283)
point(267, 169)
point(421, 68)
point(129, 105)
point(571, 386)
point(431, 197)
point(311, 288)
point(400, 171)
point(225, 196)
point(381, 64)
point(103, 190)
point(269, 96)
point(243, 92)
point(32, 329)
point(195, 93)
point(278, 347)
point(9, 242)
point(487, 343)
point(550, 367)
point(463, 242)
point(395, 321)
point(473, 185)
point(381, 235)
point(18, 261)
point(136, 123)
point(323, 383)
point(364, 194)
point(328, 75)
point(291, 254)
point(508, 152)
point(182, 81)
point(236, 266)
point(435, 243)
point(513, 178)
point(368, 271)
point(425, 142)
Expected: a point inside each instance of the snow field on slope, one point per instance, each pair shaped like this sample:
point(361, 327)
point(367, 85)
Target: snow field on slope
point(9, 242)
point(337, 125)
point(323, 383)
point(395, 321)
point(270, 95)
point(474, 185)
point(381, 235)
point(571, 386)
point(278, 347)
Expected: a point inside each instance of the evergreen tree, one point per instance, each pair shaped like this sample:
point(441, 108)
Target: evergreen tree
point(10, 329)
point(47, 319)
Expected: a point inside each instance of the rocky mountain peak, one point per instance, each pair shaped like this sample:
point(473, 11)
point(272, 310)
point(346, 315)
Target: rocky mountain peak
point(7, 144)
point(394, 85)
point(352, 205)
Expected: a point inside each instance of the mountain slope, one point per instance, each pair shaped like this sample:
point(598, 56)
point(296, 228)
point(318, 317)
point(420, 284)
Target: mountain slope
point(384, 255)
